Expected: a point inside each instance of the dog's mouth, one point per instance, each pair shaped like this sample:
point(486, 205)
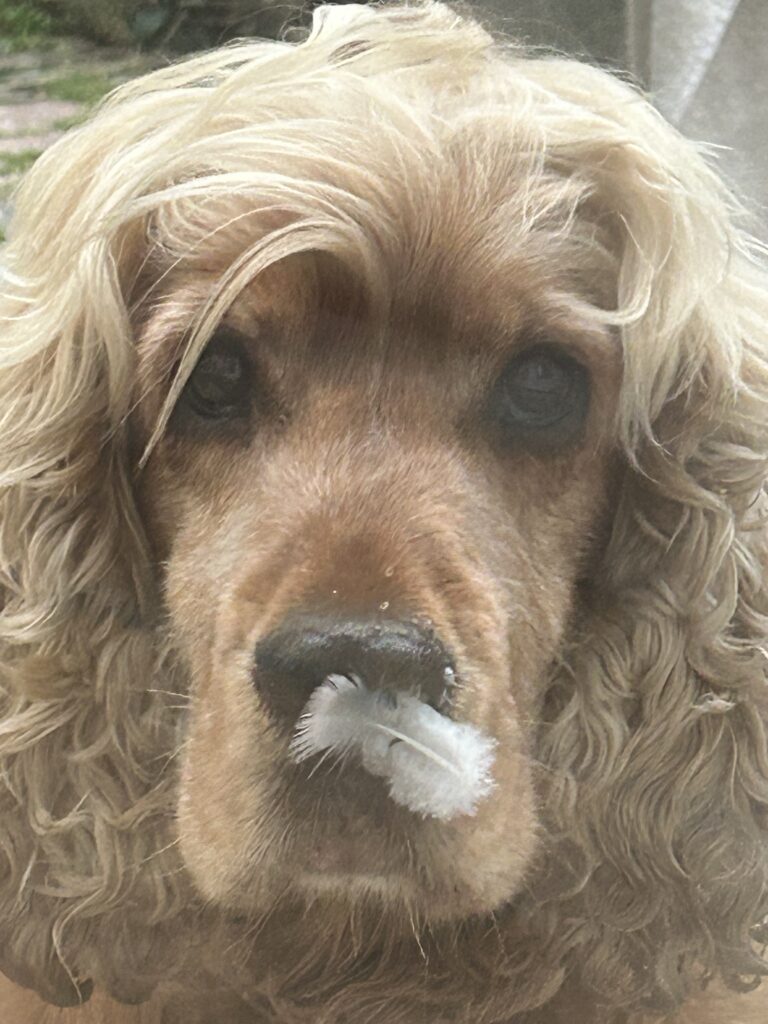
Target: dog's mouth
point(347, 834)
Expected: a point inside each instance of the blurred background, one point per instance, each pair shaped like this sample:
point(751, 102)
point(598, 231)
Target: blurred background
point(701, 61)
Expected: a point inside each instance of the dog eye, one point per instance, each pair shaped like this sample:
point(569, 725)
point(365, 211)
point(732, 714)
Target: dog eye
point(219, 386)
point(542, 396)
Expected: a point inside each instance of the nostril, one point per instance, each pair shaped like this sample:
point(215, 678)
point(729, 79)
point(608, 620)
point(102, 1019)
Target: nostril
point(388, 655)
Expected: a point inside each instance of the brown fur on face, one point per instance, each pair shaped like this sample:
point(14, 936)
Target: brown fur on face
point(366, 236)
point(374, 486)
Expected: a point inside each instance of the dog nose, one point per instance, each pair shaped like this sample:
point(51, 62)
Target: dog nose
point(385, 655)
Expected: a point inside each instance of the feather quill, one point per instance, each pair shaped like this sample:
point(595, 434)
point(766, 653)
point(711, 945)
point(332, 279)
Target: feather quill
point(434, 765)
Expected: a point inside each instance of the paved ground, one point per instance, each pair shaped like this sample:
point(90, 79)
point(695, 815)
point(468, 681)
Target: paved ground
point(43, 93)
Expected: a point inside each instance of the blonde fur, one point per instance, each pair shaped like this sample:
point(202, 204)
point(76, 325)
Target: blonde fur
point(655, 870)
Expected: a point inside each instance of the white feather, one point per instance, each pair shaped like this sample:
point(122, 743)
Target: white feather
point(434, 765)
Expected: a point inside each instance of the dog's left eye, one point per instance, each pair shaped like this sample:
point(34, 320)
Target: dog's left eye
point(219, 386)
point(542, 396)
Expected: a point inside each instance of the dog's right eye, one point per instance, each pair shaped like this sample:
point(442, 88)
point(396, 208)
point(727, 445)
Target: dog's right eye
point(219, 387)
point(541, 399)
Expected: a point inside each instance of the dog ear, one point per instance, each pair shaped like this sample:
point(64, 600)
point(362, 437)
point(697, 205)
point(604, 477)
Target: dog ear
point(83, 739)
point(657, 728)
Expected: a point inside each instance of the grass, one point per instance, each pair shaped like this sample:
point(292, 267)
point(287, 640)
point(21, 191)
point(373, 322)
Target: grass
point(22, 27)
point(17, 163)
point(79, 87)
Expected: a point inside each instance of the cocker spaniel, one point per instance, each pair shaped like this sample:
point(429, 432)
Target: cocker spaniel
point(383, 436)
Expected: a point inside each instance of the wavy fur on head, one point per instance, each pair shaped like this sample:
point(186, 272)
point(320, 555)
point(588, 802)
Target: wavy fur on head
point(653, 869)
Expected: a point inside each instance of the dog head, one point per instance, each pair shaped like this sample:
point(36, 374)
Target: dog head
point(403, 355)
point(405, 486)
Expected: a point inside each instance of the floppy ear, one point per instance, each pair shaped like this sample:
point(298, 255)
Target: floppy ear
point(657, 726)
point(83, 737)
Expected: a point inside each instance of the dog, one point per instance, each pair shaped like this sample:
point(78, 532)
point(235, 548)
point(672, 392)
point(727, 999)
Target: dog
point(403, 375)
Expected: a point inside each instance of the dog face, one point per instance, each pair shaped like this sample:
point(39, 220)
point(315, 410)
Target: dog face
point(411, 495)
point(403, 355)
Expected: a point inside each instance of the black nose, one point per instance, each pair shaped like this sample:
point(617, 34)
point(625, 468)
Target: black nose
point(398, 656)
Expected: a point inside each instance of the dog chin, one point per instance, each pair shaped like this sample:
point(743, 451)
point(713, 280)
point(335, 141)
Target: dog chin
point(396, 897)
point(356, 886)
point(434, 879)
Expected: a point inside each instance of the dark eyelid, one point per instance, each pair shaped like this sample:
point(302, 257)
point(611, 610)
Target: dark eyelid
point(225, 337)
point(228, 339)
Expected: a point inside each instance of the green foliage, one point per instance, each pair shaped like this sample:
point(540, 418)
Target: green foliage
point(23, 25)
point(17, 163)
point(178, 24)
point(106, 21)
point(78, 86)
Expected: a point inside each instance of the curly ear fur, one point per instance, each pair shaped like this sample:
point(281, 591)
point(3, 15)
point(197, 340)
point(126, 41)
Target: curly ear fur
point(654, 734)
point(84, 799)
point(84, 803)
point(656, 724)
